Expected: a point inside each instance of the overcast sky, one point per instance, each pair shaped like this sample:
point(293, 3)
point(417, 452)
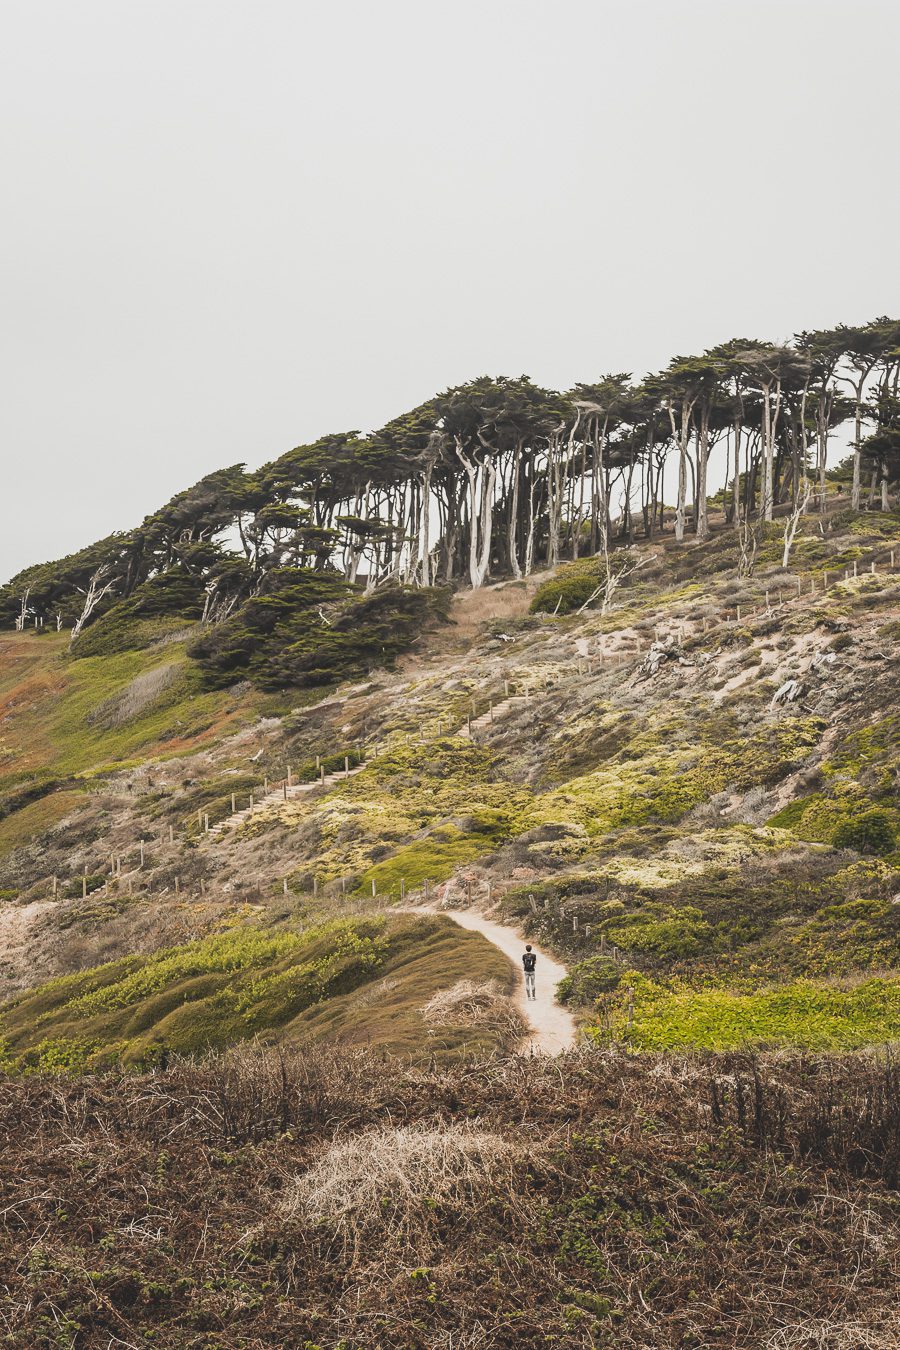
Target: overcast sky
point(230, 227)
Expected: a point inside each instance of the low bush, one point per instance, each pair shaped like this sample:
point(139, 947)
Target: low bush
point(869, 832)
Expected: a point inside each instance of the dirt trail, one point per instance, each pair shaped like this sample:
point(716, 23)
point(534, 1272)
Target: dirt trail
point(552, 1028)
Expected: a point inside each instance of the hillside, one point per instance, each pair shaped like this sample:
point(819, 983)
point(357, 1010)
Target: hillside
point(257, 1090)
point(691, 797)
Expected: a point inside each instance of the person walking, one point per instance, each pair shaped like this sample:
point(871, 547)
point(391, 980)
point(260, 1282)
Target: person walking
point(529, 961)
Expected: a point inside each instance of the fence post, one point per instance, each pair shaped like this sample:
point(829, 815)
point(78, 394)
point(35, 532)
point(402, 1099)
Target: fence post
point(142, 852)
point(373, 889)
point(171, 834)
point(346, 765)
point(233, 805)
point(403, 888)
point(84, 883)
point(315, 887)
point(206, 823)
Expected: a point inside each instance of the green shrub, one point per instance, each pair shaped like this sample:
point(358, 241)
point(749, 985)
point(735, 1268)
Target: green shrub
point(664, 933)
point(311, 628)
point(870, 832)
point(587, 980)
point(570, 587)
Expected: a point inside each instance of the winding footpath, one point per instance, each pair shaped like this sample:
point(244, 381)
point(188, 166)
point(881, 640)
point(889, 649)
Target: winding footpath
point(552, 1027)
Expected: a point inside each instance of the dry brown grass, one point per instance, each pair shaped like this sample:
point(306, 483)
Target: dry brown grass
point(474, 1003)
point(135, 698)
point(601, 1201)
point(399, 1181)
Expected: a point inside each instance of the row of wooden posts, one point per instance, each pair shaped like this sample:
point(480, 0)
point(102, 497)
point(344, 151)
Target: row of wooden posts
point(606, 948)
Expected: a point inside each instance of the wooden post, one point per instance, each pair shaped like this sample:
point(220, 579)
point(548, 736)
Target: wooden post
point(284, 886)
point(233, 805)
point(602, 944)
point(284, 789)
point(468, 892)
point(266, 784)
point(315, 887)
point(128, 884)
point(251, 801)
point(825, 581)
point(546, 902)
point(738, 614)
point(798, 588)
point(574, 923)
point(177, 885)
point(322, 774)
point(873, 569)
point(346, 765)
point(206, 823)
point(84, 883)
point(55, 887)
point(171, 834)
point(373, 888)
point(855, 569)
point(892, 557)
point(506, 688)
point(587, 930)
point(142, 852)
point(200, 819)
point(403, 888)
point(289, 771)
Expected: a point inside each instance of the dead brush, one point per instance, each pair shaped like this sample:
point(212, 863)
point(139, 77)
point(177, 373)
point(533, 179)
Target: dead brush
point(470, 1003)
point(834, 1334)
point(400, 1183)
point(134, 699)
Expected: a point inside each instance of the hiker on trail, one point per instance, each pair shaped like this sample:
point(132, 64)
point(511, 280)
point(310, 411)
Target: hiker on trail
point(529, 961)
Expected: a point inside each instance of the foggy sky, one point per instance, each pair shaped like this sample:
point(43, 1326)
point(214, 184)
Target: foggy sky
point(227, 227)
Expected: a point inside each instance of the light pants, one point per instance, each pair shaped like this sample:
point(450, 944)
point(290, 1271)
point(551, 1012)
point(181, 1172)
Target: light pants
point(530, 991)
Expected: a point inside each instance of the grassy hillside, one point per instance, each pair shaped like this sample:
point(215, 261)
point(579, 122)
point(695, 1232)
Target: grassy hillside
point(363, 981)
point(61, 717)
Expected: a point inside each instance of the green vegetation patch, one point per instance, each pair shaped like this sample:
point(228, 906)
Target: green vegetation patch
point(660, 775)
point(313, 628)
point(36, 818)
point(359, 979)
point(802, 1014)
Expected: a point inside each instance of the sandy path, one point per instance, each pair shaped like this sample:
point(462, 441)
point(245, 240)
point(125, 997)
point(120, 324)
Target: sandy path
point(552, 1028)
